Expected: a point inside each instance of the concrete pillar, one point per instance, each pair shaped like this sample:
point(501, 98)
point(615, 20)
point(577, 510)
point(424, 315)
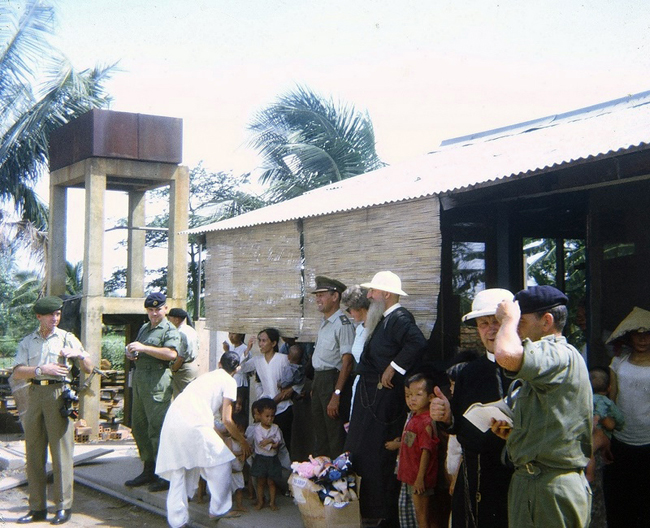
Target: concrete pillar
point(178, 221)
point(93, 290)
point(56, 275)
point(95, 186)
point(136, 242)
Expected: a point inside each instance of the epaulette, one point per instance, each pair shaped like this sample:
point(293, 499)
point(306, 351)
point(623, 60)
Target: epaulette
point(344, 320)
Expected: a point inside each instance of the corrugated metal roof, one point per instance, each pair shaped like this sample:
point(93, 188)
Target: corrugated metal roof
point(475, 160)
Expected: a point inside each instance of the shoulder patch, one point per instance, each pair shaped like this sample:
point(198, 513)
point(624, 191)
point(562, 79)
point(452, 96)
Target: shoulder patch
point(344, 320)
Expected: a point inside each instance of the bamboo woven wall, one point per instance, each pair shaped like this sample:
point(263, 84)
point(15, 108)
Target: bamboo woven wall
point(352, 246)
point(253, 279)
point(253, 276)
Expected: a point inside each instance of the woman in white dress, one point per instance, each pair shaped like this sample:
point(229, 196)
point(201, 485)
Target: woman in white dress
point(190, 446)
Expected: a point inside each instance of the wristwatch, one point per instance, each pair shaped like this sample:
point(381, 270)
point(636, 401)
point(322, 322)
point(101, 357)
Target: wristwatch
point(38, 371)
point(337, 392)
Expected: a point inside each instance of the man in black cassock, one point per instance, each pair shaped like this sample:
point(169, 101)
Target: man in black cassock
point(392, 352)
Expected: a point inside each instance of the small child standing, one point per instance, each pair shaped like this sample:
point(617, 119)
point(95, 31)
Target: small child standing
point(237, 464)
point(294, 373)
point(417, 467)
point(266, 439)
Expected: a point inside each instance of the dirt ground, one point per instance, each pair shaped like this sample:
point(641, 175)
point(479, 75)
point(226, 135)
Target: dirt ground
point(91, 508)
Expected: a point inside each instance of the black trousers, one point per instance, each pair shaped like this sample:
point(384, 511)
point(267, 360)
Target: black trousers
point(626, 482)
point(378, 416)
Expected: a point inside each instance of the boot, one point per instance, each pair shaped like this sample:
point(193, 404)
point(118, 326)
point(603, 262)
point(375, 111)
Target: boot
point(160, 484)
point(146, 477)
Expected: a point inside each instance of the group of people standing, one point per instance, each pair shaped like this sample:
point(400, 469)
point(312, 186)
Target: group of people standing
point(527, 469)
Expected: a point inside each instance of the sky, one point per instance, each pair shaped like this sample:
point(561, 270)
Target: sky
point(425, 71)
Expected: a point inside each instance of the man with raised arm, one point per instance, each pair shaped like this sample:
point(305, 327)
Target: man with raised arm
point(550, 440)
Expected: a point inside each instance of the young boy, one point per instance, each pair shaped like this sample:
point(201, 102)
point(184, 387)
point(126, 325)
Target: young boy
point(266, 439)
point(417, 466)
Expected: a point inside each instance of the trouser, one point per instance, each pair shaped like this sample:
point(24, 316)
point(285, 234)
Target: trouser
point(183, 483)
point(542, 497)
point(625, 482)
point(379, 416)
point(329, 432)
point(43, 425)
point(185, 375)
point(152, 392)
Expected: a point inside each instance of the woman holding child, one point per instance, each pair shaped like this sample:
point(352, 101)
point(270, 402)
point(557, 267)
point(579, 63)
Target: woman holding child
point(627, 479)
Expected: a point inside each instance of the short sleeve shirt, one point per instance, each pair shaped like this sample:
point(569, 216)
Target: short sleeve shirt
point(33, 350)
point(633, 399)
point(415, 439)
point(189, 343)
point(164, 335)
point(335, 338)
point(553, 408)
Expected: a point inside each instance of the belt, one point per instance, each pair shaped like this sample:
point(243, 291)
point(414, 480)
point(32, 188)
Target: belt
point(535, 468)
point(45, 382)
point(152, 366)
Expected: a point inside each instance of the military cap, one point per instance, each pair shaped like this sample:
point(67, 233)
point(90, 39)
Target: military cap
point(324, 284)
point(48, 305)
point(154, 300)
point(177, 312)
point(540, 299)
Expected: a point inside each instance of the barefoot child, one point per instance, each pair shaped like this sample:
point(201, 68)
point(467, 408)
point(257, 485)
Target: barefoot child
point(417, 467)
point(237, 465)
point(266, 439)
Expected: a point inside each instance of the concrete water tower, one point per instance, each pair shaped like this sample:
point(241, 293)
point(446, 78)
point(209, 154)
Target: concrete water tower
point(115, 151)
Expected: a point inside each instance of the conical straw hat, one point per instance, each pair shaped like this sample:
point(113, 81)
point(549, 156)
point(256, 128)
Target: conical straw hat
point(638, 320)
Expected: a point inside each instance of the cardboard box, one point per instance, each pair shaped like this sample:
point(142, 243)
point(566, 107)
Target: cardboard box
point(315, 514)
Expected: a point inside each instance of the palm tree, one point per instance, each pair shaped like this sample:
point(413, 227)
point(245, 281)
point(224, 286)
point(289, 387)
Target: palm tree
point(308, 142)
point(39, 91)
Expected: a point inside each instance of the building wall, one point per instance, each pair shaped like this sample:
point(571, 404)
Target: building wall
point(254, 275)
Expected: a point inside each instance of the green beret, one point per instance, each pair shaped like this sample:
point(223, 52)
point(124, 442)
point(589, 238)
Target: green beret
point(48, 305)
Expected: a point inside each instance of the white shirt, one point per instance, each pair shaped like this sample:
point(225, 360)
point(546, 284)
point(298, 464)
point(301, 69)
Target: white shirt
point(269, 374)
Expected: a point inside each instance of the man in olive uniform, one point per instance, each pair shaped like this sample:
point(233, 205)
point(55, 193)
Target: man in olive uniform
point(184, 368)
point(550, 440)
point(155, 346)
point(43, 358)
point(332, 361)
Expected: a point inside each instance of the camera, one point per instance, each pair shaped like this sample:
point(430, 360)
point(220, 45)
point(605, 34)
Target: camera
point(69, 399)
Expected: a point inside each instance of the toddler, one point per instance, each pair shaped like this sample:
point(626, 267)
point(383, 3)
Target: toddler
point(237, 464)
point(609, 416)
point(266, 439)
point(417, 466)
point(293, 373)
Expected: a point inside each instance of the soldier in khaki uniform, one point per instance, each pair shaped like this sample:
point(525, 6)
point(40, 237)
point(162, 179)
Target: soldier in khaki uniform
point(550, 440)
point(155, 346)
point(332, 361)
point(43, 358)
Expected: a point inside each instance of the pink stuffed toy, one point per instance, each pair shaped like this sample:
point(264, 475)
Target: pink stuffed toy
point(310, 468)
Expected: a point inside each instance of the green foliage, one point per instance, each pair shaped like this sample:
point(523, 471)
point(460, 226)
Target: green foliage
point(113, 350)
point(214, 196)
point(308, 141)
point(39, 92)
point(541, 256)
